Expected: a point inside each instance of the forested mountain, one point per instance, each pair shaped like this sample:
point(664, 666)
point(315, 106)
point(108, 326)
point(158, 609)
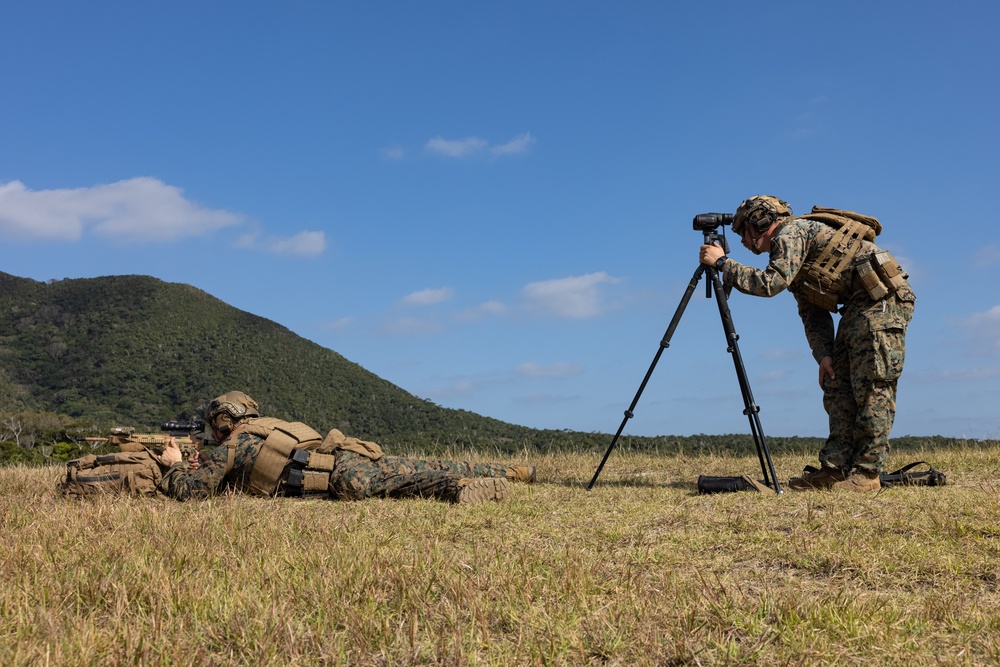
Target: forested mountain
point(137, 350)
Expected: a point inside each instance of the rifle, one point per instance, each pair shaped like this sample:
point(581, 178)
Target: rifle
point(189, 436)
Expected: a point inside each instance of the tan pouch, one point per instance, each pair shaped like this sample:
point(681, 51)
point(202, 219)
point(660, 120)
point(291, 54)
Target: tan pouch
point(337, 440)
point(871, 280)
point(888, 270)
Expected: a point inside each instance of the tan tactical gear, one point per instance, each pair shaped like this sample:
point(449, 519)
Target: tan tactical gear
point(130, 473)
point(336, 440)
point(836, 217)
point(482, 489)
point(280, 438)
point(826, 280)
point(309, 473)
point(760, 211)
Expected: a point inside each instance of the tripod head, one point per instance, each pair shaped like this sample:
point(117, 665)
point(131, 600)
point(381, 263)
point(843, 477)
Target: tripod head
point(709, 223)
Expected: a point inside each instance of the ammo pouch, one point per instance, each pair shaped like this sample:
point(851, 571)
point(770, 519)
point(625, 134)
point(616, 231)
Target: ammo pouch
point(309, 473)
point(281, 439)
point(880, 274)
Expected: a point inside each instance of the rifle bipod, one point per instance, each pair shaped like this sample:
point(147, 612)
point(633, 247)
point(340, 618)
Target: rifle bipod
point(751, 409)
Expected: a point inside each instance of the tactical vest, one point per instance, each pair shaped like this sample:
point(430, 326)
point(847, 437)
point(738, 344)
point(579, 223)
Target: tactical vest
point(296, 446)
point(847, 249)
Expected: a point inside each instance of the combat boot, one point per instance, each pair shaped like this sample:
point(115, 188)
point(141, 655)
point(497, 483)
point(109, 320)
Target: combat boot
point(811, 478)
point(860, 481)
point(482, 489)
point(524, 474)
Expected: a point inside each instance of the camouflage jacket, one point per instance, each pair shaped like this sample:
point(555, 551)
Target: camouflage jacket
point(796, 243)
point(181, 482)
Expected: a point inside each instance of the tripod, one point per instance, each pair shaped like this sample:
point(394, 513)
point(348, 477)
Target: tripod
point(751, 409)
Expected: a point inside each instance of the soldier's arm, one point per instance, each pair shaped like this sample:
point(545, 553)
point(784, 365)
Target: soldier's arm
point(818, 324)
point(788, 251)
point(185, 482)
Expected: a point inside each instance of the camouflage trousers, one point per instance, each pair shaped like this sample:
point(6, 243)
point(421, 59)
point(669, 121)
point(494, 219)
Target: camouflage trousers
point(860, 401)
point(356, 477)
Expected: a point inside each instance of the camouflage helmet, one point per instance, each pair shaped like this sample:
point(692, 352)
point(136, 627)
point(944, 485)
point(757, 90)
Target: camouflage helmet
point(760, 211)
point(230, 409)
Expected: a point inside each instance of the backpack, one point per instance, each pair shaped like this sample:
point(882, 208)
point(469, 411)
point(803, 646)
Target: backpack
point(836, 217)
point(130, 473)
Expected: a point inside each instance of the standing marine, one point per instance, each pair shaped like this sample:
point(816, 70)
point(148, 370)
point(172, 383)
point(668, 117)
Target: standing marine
point(829, 262)
point(266, 457)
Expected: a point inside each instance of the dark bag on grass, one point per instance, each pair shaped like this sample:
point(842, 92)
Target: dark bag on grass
point(129, 473)
point(712, 484)
point(906, 476)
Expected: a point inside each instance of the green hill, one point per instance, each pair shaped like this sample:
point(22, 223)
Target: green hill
point(137, 350)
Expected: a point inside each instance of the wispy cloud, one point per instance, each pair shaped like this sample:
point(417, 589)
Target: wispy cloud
point(482, 311)
point(393, 153)
point(550, 371)
point(577, 297)
point(133, 210)
point(984, 331)
point(429, 297)
point(303, 244)
point(469, 146)
point(518, 144)
point(986, 256)
point(456, 147)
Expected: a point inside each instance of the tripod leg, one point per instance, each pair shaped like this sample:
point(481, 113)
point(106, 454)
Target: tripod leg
point(751, 409)
point(664, 344)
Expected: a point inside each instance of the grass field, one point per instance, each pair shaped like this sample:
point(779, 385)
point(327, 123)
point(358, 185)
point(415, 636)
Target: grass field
point(640, 571)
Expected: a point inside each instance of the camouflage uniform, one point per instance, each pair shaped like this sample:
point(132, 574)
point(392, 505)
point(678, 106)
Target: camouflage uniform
point(867, 350)
point(354, 476)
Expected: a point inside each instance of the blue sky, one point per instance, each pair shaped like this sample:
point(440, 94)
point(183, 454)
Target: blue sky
point(489, 203)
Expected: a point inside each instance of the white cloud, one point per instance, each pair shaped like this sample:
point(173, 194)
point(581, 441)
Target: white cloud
point(482, 311)
point(986, 256)
point(429, 297)
point(133, 210)
point(517, 145)
point(989, 318)
point(576, 297)
point(461, 148)
point(561, 370)
point(303, 244)
point(393, 153)
point(456, 147)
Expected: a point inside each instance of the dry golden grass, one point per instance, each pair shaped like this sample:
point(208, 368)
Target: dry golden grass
point(641, 571)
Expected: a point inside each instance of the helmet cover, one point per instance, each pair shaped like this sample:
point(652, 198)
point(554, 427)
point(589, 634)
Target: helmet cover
point(761, 211)
point(230, 409)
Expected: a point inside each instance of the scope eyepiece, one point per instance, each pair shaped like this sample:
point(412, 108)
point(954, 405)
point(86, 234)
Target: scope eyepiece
point(707, 221)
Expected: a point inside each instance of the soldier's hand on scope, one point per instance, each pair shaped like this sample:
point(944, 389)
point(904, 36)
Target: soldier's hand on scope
point(710, 254)
point(825, 369)
point(171, 453)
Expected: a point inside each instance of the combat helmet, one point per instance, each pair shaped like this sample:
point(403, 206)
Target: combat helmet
point(760, 211)
point(230, 409)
